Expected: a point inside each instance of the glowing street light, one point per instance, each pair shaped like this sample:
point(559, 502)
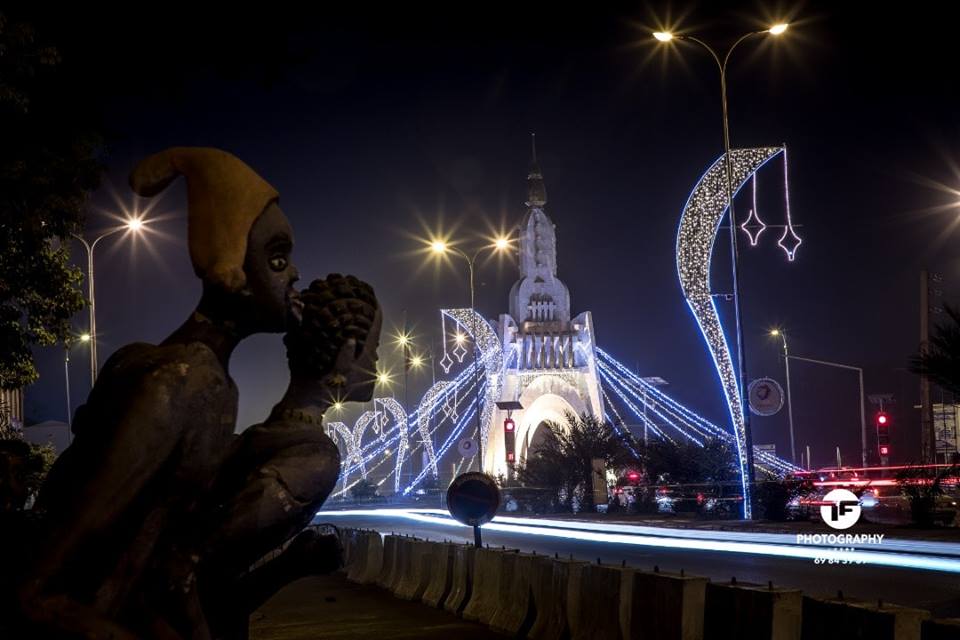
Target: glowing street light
point(133, 224)
point(84, 337)
point(775, 30)
point(776, 332)
point(499, 245)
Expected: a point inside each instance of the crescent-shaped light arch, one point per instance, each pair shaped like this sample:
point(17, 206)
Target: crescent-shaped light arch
point(705, 208)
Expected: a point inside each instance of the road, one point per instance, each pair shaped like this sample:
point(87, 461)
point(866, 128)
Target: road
point(910, 573)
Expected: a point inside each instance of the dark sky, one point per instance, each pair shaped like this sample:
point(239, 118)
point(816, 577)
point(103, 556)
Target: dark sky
point(378, 125)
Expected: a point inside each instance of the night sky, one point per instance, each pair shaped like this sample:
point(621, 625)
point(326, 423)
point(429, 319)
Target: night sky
point(381, 125)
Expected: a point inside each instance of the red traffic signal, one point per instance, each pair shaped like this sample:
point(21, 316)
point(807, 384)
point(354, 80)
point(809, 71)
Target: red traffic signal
point(510, 439)
point(883, 422)
point(633, 476)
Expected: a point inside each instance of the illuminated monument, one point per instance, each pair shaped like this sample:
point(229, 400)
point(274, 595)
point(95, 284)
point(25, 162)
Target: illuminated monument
point(550, 365)
point(549, 362)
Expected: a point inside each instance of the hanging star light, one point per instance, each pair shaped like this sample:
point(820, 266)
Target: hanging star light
point(753, 226)
point(789, 241)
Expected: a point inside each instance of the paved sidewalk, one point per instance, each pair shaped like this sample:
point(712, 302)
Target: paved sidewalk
point(330, 607)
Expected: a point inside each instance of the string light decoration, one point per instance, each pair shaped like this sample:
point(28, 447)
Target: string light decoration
point(699, 223)
point(392, 447)
point(446, 361)
point(428, 406)
point(753, 226)
point(489, 359)
point(621, 380)
point(789, 241)
point(460, 351)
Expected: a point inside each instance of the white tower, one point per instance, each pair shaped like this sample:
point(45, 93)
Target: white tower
point(549, 362)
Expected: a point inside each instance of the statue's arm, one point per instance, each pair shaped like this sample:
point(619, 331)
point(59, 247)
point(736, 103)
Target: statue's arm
point(104, 479)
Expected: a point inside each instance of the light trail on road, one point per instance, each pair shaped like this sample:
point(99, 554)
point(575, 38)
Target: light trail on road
point(907, 554)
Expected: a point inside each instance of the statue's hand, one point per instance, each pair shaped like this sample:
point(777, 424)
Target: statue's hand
point(334, 350)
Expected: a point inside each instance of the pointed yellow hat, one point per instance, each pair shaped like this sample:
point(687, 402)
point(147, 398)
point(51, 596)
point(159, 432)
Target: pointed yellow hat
point(224, 197)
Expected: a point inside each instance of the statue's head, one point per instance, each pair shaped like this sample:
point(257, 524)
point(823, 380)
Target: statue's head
point(240, 240)
point(338, 338)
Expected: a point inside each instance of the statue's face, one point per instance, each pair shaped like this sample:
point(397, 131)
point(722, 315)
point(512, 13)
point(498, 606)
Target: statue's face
point(273, 303)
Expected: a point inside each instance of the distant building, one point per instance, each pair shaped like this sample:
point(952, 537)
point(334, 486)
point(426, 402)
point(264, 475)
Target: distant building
point(550, 366)
point(11, 404)
point(945, 419)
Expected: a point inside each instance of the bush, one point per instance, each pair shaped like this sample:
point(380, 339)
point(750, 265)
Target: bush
point(364, 491)
point(922, 486)
point(772, 497)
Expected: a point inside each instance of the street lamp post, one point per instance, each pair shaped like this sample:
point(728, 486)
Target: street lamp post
point(779, 333)
point(776, 30)
point(863, 416)
point(85, 337)
point(440, 247)
point(132, 224)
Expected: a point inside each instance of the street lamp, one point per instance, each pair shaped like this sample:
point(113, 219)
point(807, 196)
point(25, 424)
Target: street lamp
point(499, 245)
point(774, 30)
point(779, 333)
point(133, 224)
point(67, 345)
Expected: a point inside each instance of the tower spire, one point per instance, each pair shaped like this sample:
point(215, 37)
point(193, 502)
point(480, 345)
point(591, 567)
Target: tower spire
point(536, 191)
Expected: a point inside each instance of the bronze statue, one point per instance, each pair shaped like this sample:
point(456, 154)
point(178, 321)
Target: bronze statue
point(152, 518)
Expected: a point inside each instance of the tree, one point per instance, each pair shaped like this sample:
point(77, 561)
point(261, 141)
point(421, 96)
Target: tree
point(364, 491)
point(48, 166)
point(563, 462)
point(940, 361)
point(687, 462)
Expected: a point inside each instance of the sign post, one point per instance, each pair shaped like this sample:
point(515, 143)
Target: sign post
point(473, 499)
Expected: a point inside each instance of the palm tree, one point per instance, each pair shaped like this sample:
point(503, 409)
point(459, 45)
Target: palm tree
point(564, 461)
point(940, 361)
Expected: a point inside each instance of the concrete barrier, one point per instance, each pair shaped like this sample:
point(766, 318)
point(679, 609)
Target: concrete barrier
point(827, 618)
point(550, 585)
point(440, 563)
point(403, 565)
point(357, 562)
point(461, 579)
point(946, 629)
point(389, 564)
point(663, 606)
point(752, 612)
point(484, 596)
point(417, 576)
point(343, 537)
point(516, 609)
point(594, 609)
point(374, 559)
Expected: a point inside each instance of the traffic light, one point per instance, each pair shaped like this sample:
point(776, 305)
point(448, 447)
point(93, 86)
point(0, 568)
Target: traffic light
point(633, 477)
point(883, 421)
point(510, 439)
